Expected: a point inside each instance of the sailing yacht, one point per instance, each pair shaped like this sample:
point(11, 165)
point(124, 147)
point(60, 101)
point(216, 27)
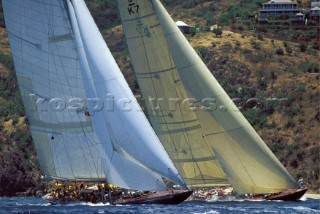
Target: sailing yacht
point(78, 103)
point(208, 139)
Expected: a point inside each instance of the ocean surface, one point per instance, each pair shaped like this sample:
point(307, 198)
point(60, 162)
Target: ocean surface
point(38, 205)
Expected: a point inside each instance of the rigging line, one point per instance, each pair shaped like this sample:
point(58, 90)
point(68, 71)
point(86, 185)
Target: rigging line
point(82, 122)
point(89, 141)
point(239, 158)
point(220, 169)
point(48, 70)
point(94, 144)
point(132, 94)
point(181, 127)
point(80, 144)
point(185, 133)
point(86, 138)
point(182, 92)
point(113, 141)
point(9, 32)
point(155, 91)
point(62, 93)
point(110, 163)
point(226, 131)
point(49, 28)
point(90, 151)
point(95, 147)
point(82, 82)
point(31, 19)
point(62, 136)
point(70, 27)
point(124, 29)
point(53, 153)
point(121, 120)
point(67, 154)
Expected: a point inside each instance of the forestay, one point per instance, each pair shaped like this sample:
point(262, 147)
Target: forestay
point(158, 49)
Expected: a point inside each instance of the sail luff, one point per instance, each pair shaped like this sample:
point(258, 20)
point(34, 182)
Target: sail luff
point(250, 165)
point(142, 143)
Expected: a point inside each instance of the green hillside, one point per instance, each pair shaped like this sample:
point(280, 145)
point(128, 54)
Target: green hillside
point(276, 65)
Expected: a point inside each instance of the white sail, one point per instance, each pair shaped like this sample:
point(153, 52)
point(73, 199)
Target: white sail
point(59, 73)
point(119, 170)
point(47, 68)
point(157, 46)
point(128, 127)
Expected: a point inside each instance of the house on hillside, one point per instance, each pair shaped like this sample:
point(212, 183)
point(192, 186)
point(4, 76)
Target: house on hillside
point(315, 10)
point(276, 8)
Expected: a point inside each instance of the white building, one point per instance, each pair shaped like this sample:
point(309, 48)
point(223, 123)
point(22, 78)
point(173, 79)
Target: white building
point(315, 10)
point(279, 8)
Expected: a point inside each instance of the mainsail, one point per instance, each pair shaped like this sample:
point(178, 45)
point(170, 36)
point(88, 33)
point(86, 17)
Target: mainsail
point(47, 68)
point(64, 65)
point(212, 143)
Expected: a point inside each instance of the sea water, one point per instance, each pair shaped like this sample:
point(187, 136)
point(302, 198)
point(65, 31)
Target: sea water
point(38, 205)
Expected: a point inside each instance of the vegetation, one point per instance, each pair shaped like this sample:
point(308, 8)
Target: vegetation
point(218, 32)
point(105, 12)
point(19, 169)
point(273, 79)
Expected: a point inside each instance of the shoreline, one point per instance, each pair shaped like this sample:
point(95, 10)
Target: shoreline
point(307, 195)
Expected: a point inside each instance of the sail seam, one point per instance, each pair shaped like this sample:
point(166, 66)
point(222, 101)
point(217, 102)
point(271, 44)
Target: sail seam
point(140, 17)
point(82, 123)
point(54, 155)
point(232, 146)
point(50, 51)
point(144, 46)
point(22, 39)
point(222, 132)
point(185, 132)
point(155, 72)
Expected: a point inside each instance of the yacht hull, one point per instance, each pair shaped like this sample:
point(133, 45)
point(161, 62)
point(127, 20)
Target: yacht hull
point(287, 195)
point(161, 197)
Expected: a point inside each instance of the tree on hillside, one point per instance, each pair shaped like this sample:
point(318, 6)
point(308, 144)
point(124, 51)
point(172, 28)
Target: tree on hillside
point(218, 31)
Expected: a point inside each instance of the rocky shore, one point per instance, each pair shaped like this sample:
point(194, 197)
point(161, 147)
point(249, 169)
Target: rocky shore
point(31, 192)
point(20, 175)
